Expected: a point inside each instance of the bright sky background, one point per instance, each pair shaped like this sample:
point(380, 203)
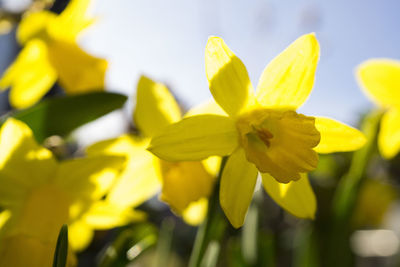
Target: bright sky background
point(165, 40)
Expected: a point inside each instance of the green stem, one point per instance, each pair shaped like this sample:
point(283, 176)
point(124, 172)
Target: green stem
point(345, 198)
point(212, 227)
point(164, 242)
point(346, 194)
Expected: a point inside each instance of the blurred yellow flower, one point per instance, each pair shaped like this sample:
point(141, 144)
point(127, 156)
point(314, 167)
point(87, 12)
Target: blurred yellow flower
point(380, 79)
point(185, 185)
point(40, 194)
point(261, 132)
point(50, 52)
point(374, 201)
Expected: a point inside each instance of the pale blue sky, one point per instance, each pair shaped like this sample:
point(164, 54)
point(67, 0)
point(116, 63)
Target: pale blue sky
point(165, 40)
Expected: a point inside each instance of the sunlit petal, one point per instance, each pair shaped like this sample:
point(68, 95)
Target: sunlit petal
point(208, 107)
point(124, 145)
point(88, 178)
point(33, 25)
point(195, 213)
point(184, 182)
point(139, 181)
point(289, 78)
point(337, 136)
point(389, 136)
point(380, 79)
point(31, 75)
point(297, 197)
point(71, 21)
point(196, 138)
point(104, 215)
point(227, 77)
point(237, 187)
point(79, 235)
point(155, 107)
point(78, 71)
point(23, 163)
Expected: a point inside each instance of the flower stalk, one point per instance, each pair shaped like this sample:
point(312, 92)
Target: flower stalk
point(213, 226)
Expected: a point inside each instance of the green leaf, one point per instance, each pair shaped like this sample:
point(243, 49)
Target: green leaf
point(61, 115)
point(61, 253)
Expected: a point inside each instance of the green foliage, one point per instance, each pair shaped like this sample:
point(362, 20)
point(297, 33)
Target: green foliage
point(61, 253)
point(61, 115)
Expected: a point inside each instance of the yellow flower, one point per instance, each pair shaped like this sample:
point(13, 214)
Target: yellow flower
point(380, 79)
point(374, 201)
point(261, 132)
point(185, 185)
point(40, 194)
point(51, 53)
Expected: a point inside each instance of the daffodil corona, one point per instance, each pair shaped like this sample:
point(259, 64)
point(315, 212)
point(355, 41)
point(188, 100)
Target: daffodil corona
point(185, 186)
point(50, 52)
point(260, 132)
point(380, 79)
point(40, 194)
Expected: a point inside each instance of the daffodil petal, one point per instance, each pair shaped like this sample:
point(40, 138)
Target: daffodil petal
point(155, 107)
point(237, 187)
point(104, 215)
point(184, 182)
point(296, 197)
point(208, 107)
point(196, 138)
point(195, 213)
point(380, 79)
point(88, 178)
point(289, 78)
point(78, 71)
point(4, 216)
point(72, 20)
point(33, 25)
point(227, 77)
point(23, 163)
point(36, 253)
point(79, 235)
point(124, 145)
point(337, 136)
point(139, 181)
point(389, 135)
point(31, 75)
point(212, 165)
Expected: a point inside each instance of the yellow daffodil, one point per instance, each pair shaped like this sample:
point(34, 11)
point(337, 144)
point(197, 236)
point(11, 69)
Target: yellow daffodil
point(50, 52)
point(374, 201)
point(261, 132)
point(185, 185)
point(380, 79)
point(40, 194)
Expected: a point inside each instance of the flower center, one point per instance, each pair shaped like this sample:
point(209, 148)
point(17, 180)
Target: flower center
point(264, 135)
point(279, 142)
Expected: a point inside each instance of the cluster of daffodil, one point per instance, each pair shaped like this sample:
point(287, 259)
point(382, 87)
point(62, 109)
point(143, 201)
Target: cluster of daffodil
point(50, 53)
point(260, 134)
